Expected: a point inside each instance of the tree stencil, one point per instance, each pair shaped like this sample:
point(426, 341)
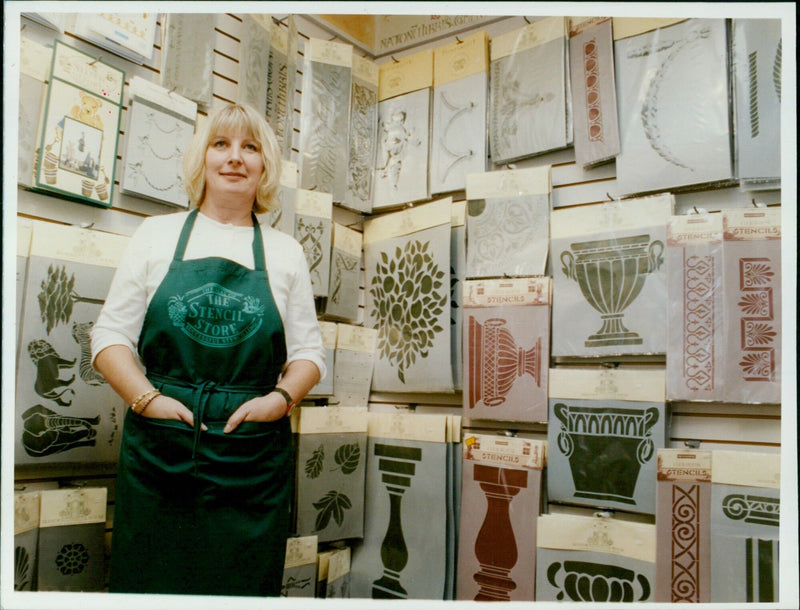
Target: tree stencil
point(408, 299)
point(58, 297)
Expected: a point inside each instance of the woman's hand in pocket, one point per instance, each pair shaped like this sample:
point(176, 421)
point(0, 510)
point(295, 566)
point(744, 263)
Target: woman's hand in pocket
point(261, 408)
point(165, 407)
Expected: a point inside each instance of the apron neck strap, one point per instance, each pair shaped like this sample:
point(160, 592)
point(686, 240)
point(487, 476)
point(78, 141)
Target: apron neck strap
point(258, 240)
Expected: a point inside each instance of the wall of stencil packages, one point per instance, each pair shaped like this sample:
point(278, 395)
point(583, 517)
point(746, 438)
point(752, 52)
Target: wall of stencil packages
point(547, 254)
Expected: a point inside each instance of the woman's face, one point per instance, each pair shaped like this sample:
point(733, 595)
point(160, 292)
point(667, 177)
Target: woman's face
point(233, 165)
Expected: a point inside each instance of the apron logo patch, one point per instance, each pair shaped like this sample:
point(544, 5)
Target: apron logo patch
point(215, 316)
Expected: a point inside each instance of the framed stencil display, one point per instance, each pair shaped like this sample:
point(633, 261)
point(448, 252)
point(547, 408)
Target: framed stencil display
point(66, 413)
point(78, 145)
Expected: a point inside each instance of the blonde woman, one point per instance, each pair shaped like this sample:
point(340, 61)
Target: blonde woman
point(209, 332)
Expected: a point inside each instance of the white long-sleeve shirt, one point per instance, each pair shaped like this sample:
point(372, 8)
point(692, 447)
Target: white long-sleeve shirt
point(147, 261)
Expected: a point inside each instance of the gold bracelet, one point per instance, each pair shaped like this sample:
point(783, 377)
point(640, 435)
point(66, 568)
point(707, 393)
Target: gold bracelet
point(141, 402)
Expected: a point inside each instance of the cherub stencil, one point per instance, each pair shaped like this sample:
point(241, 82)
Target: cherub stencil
point(396, 137)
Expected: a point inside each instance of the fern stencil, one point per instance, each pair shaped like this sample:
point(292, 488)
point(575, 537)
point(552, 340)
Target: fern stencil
point(776, 70)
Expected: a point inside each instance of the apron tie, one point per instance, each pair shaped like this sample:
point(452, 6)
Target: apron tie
point(201, 394)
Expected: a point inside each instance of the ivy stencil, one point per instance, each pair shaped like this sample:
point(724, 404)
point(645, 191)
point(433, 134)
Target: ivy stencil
point(408, 295)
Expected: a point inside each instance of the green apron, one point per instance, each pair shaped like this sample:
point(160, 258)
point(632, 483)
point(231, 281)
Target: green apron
point(206, 512)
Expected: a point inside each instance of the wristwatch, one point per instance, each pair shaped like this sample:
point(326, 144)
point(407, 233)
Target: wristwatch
point(286, 396)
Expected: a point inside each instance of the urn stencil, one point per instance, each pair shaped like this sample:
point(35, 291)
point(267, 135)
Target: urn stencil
point(498, 362)
point(586, 435)
point(611, 273)
point(585, 581)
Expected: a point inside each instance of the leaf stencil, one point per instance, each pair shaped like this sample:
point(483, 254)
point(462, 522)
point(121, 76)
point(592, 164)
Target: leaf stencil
point(332, 504)
point(314, 463)
point(347, 457)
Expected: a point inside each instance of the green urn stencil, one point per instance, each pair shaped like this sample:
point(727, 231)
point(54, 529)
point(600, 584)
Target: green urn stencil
point(611, 274)
point(410, 293)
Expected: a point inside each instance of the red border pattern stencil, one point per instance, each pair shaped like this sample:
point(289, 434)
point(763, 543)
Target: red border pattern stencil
point(685, 543)
point(699, 319)
point(594, 112)
point(757, 323)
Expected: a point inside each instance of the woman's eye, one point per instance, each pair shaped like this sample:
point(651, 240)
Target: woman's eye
point(218, 143)
point(251, 146)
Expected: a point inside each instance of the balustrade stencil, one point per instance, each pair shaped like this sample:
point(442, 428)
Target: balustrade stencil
point(66, 412)
point(506, 349)
point(501, 497)
point(752, 272)
point(402, 555)
point(672, 86)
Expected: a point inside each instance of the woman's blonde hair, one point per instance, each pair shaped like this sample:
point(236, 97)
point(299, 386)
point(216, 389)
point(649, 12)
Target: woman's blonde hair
point(234, 117)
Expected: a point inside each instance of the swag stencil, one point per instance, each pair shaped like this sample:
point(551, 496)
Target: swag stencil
point(409, 294)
